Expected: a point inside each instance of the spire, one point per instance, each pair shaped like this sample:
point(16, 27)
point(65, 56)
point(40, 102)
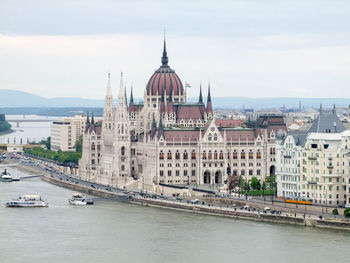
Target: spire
point(109, 89)
point(209, 97)
point(154, 125)
point(200, 95)
point(126, 97)
point(165, 55)
point(87, 118)
point(321, 108)
point(209, 106)
point(92, 118)
point(131, 96)
point(121, 86)
point(334, 110)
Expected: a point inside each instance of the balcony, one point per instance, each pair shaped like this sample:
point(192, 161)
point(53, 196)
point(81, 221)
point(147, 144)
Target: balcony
point(312, 158)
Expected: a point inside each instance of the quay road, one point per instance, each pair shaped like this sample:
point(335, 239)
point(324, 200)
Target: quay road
point(45, 168)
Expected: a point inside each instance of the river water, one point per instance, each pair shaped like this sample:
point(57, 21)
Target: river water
point(111, 231)
point(27, 131)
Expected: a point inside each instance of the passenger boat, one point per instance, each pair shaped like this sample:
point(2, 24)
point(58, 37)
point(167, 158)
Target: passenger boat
point(77, 199)
point(298, 201)
point(27, 201)
point(5, 176)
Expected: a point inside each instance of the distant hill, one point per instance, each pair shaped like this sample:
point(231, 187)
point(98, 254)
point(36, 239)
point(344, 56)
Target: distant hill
point(15, 99)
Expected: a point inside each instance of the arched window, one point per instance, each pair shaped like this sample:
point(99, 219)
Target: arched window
point(258, 154)
point(177, 155)
point(215, 155)
point(250, 154)
point(123, 167)
point(234, 154)
point(161, 155)
point(193, 155)
point(204, 155)
point(93, 146)
point(185, 155)
point(169, 155)
point(209, 137)
point(122, 151)
point(221, 155)
point(243, 154)
point(210, 155)
point(228, 155)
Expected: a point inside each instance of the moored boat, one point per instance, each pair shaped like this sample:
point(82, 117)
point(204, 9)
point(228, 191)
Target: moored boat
point(27, 201)
point(5, 176)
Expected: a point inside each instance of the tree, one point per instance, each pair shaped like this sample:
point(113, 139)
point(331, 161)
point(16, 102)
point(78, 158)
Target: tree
point(79, 144)
point(347, 212)
point(254, 183)
point(335, 211)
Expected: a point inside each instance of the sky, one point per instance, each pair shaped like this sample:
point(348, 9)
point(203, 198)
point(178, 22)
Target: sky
point(242, 48)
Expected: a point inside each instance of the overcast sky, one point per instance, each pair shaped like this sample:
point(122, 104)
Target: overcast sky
point(244, 48)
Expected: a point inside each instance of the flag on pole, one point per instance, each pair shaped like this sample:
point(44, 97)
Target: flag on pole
point(187, 85)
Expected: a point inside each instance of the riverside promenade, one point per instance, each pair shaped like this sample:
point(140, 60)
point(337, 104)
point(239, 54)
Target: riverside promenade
point(233, 210)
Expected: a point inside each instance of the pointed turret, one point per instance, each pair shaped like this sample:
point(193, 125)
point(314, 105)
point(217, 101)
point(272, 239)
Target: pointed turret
point(131, 96)
point(334, 109)
point(109, 89)
point(108, 110)
point(131, 102)
point(154, 124)
point(160, 128)
point(165, 55)
point(209, 106)
point(162, 102)
point(200, 100)
point(92, 119)
point(87, 122)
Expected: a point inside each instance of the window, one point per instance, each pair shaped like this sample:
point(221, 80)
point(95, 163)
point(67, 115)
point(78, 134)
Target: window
point(234, 155)
point(215, 155)
point(177, 155)
point(177, 172)
point(169, 172)
point(250, 172)
point(185, 155)
point(193, 155)
point(221, 155)
point(185, 172)
point(204, 155)
point(242, 154)
point(210, 155)
point(250, 155)
point(122, 151)
point(161, 155)
point(242, 172)
point(92, 146)
point(193, 172)
point(169, 155)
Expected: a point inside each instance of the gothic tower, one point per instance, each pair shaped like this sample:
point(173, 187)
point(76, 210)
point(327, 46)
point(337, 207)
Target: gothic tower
point(122, 144)
point(107, 136)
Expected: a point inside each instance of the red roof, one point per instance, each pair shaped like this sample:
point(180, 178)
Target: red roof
point(181, 135)
point(227, 123)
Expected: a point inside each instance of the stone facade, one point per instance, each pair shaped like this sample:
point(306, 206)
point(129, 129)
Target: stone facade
point(166, 140)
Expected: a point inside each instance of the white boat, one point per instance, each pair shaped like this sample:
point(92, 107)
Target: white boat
point(77, 199)
point(27, 201)
point(5, 176)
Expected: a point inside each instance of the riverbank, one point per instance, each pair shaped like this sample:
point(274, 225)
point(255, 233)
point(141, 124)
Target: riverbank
point(233, 210)
point(6, 132)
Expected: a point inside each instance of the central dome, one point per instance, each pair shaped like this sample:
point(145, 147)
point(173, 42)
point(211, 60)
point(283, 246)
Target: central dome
point(164, 78)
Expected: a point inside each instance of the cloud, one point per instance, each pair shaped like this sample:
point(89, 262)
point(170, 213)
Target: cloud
point(269, 66)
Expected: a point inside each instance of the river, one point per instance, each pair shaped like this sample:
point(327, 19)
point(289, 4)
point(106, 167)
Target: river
point(28, 131)
point(111, 231)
